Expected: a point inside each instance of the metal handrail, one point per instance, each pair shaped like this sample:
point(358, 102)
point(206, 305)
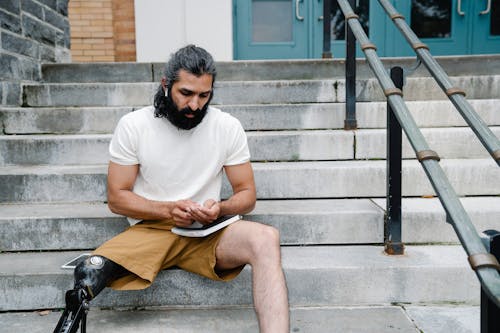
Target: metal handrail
point(457, 216)
point(456, 96)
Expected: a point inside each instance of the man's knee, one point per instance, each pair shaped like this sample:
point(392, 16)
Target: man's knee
point(265, 240)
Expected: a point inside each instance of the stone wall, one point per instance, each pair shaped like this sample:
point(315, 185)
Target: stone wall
point(32, 32)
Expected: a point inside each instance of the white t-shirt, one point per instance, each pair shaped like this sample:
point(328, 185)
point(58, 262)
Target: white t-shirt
point(176, 164)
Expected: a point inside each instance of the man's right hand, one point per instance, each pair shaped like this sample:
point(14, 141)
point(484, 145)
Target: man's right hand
point(181, 212)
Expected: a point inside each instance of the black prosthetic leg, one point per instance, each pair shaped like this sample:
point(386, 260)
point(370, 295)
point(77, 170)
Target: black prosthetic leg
point(91, 277)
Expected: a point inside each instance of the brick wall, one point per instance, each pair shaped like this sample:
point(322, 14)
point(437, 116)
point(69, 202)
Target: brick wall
point(124, 30)
point(102, 30)
point(31, 32)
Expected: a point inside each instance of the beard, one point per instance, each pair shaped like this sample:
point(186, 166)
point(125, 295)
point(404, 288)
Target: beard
point(169, 110)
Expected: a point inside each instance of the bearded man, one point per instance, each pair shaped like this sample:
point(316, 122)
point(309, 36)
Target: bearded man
point(165, 170)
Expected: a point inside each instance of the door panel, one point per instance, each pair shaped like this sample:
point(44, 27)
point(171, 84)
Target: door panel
point(449, 27)
point(271, 29)
point(441, 24)
point(486, 27)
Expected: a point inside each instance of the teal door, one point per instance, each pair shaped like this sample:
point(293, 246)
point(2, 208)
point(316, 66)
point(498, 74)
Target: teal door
point(449, 27)
point(272, 29)
point(293, 29)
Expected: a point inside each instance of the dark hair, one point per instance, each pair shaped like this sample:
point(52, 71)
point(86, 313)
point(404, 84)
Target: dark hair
point(190, 58)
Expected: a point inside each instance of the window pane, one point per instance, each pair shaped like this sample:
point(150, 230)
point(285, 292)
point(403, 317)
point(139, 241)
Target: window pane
point(431, 18)
point(495, 18)
point(272, 20)
point(338, 21)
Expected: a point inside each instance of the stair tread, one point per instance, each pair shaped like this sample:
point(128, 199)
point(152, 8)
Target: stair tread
point(301, 258)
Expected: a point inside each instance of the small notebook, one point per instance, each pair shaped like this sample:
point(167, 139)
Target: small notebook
point(199, 230)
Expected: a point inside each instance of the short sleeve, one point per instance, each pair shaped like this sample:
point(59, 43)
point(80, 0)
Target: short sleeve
point(238, 152)
point(123, 146)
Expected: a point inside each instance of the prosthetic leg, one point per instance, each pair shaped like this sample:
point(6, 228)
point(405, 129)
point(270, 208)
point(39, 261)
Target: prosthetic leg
point(91, 277)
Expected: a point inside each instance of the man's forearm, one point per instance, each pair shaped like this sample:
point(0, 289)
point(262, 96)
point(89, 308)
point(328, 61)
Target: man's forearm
point(132, 205)
point(241, 203)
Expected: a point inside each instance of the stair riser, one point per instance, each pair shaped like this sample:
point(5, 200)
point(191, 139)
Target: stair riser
point(260, 70)
point(61, 120)
point(273, 181)
point(252, 117)
point(246, 92)
point(53, 187)
point(264, 146)
point(301, 222)
point(331, 288)
point(58, 233)
point(289, 146)
point(323, 222)
point(336, 281)
point(349, 180)
point(448, 143)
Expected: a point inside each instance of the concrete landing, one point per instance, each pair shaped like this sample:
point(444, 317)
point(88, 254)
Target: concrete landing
point(380, 319)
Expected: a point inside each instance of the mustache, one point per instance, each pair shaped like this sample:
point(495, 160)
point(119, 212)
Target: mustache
point(188, 111)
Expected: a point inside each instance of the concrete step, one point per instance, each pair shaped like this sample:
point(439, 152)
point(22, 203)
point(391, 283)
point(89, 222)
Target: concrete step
point(78, 226)
point(253, 92)
point(264, 146)
point(93, 148)
point(274, 180)
point(63, 120)
point(92, 120)
point(316, 276)
point(443, 318)
point(261, 70)
point(456, 142)
point(87, 225)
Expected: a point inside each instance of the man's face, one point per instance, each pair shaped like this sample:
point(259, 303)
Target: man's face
point(192, 91)
point(190, 96)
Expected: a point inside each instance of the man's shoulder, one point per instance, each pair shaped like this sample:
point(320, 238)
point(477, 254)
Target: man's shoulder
point(139, 115)
point(221, 116)
point(146, 111)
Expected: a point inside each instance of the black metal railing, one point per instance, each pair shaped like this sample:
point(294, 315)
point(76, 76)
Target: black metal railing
point(483, 263)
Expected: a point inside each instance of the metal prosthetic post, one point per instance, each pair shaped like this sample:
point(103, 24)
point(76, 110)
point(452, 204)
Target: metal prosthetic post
point(75, 312)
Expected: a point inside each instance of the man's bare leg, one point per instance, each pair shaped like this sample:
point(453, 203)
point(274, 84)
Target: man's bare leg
point(258, 245)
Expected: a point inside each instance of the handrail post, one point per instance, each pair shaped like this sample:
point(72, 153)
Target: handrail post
point(392, 228)
point(350, 122)
point(327, 8)
point(490, 312)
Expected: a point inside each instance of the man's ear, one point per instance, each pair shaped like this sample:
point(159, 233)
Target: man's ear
point(164, 85)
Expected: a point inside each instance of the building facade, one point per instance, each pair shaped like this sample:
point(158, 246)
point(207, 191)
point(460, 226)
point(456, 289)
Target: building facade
point(272, 29)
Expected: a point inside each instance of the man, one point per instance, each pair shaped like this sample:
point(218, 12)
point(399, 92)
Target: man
point(165, 170)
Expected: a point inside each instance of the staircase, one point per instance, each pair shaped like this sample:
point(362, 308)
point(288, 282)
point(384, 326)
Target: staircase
point(323, 187)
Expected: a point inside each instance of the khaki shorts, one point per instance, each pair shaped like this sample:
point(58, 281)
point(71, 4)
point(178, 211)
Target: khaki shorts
point(148, 247)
